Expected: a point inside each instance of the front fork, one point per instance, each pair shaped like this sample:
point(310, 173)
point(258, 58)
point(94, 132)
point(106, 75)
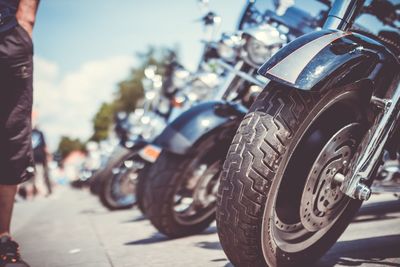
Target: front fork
point(230, 83)
point(370, 151)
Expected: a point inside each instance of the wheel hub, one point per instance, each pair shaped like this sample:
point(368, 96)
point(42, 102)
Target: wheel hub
point(205, 192)
point(322, 200)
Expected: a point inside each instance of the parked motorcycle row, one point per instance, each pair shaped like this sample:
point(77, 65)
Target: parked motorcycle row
point(286, 127)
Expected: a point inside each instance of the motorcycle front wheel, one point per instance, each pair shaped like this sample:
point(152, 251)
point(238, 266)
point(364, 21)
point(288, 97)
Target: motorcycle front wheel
point(120, 183)
point(180, 195)
point(278, 204)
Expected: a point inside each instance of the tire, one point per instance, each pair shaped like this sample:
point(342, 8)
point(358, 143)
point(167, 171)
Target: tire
point(107, 182)
point(141, 188)
point(95, 181)
point(168, 175)
point(99, 176)
point(265, 151)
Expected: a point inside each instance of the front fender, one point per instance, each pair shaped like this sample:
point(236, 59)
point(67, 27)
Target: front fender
point(181, 134)
point(315, 59)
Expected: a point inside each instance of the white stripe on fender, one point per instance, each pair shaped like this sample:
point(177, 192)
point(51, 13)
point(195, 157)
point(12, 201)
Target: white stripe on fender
point(289, 68)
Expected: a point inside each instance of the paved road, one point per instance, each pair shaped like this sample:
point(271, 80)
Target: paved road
point(72, 229)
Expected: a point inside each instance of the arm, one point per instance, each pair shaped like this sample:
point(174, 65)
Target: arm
point(26, 14)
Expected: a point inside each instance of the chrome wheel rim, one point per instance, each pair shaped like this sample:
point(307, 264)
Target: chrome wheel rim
point(321, 202)
point(195, 200)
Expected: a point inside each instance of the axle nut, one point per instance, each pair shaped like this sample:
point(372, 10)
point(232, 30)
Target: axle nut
point(362, 192)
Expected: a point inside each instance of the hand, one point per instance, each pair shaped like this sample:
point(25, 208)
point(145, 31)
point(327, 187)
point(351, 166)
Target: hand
point(26, 14)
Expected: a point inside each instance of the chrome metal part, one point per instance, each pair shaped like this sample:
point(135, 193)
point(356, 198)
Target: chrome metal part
point(338, 178)
point(371, 147)
point(380, 103)
point(236, 72)
point(362, 192)
point(267, 34)
point(222, 89)
point(342, 14)
point(322, 201)
point(204, 195)
point(196, 199)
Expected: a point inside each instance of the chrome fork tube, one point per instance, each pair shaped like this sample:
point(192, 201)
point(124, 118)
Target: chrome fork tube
point(241, 74)
point(371, 148)
point(222, 91)
point(342, 14)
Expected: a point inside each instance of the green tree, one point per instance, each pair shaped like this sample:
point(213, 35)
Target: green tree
point(130, 90)
point(67, 145)
point(102, 122)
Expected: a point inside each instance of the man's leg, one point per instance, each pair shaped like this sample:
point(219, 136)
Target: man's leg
point(7, 198)
point(47, 178)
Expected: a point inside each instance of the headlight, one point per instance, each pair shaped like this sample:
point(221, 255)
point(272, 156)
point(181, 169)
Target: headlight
point(228, 47)
point(258, 52)
point(261, 43)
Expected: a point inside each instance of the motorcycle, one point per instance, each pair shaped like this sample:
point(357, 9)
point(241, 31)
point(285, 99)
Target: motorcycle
point(117, 185)
point(180, 89)
point(180, 196)
point(307, 152)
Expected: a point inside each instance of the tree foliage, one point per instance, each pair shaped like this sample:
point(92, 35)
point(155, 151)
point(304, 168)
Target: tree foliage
point(102, 122)
point(130, 91)
point(67, 145)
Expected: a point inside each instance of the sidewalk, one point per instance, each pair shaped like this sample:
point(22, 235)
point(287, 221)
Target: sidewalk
point(72, 229)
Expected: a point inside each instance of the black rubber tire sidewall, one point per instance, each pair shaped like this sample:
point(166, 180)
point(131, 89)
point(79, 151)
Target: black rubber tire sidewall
point(163, 179)
point(242, 199)
point(141, 188)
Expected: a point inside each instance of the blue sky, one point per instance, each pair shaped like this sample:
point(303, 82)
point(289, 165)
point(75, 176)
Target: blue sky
point(74, 31)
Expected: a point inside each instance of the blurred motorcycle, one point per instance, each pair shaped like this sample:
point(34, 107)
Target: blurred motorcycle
point(179, 90)
point(117, 186)
point(180, 196)
point(307, 152)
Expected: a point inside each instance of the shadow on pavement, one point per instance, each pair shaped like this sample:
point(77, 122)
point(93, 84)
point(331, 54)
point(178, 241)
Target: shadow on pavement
point(378, 211)
point(218, 260)
point(209, 245)
point(136, 219)
point(157, 237)
point(374, 250)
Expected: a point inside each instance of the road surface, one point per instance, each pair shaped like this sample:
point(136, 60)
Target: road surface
point(72, 229)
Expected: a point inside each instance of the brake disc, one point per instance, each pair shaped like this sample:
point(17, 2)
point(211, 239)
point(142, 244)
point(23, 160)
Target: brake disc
point(322, 201)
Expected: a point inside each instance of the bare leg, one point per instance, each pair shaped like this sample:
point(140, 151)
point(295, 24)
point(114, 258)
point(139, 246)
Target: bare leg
point(7, 198)
point(47, 178)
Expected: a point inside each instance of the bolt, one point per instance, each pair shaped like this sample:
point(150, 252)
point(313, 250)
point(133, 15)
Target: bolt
point(362, 192)
point(338, 178)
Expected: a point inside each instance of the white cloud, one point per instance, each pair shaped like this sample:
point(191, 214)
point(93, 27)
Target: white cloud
point(66, 103)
